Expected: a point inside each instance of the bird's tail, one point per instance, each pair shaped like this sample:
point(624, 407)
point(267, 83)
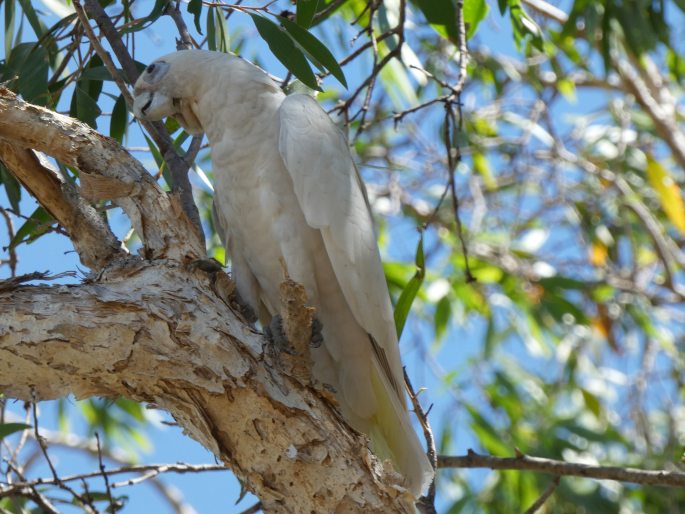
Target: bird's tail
point(394, 438)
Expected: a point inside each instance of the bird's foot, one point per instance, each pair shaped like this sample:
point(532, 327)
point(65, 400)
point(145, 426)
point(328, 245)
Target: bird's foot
point(243, 308)
point(276, 335)
point(225, 287)
point(207, 265)
point(317, 333)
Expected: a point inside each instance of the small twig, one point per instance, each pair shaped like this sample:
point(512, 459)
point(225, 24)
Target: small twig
point(104, 475)
point(14, 282)
point(544, 496)
point(87, 505)
point(193, 149)
point(324, 13)
point(33, 493)
point(253, 509)
point(107, 28)
point(150, 471)
point(11, 250)
point(24, 435)
point(463, 50)
point(453, 158)
point(186, 42)
point(426, 504)
point(104, 55)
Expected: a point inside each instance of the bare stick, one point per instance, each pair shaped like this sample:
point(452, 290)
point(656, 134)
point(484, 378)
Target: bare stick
point(44, 450)
point(426, 504)
point(149, 470)
point(186, 41)
point(104, 475)
point(662, 477)
point(544, 496)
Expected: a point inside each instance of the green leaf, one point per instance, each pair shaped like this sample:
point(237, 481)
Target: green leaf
point(502, 4)
point(119, 120)
point(93, 86)
point(30, 63)
point(9, 25)
point(306, 9)
point(486, 433)
point(676, 64)
point(475, 11)
point(216, 39)
point(145, 22)
point(442, 16)
point(11, 428)
point(84, 107)
point(327, 7)
point(524, 26)
point(591, 402)
point(31, 15)
point(37, 224)
point(211, 30)
point(567, 88)
point(195, 8)
point(442, 316)
point(283, 47)
point(97, 73)
point(398, 85)
point(12, 187)
point(410, 291)
point(318, 52)
point(482, 166)
point(159, 160)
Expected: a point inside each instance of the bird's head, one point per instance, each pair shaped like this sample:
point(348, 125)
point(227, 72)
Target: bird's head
point(165, 88)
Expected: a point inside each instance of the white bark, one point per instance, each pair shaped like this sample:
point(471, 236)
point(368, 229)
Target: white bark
point(157, 330)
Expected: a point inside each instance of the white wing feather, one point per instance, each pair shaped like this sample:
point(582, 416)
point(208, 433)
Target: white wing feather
point(332, 198)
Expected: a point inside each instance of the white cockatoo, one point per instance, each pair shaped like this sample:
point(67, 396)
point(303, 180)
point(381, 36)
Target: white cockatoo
point(287, 191)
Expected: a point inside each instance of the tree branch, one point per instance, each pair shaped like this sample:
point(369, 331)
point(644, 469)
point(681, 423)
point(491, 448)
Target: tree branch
point(92, 238)
point(561, 468)
point(157, 332)
point(107, 171)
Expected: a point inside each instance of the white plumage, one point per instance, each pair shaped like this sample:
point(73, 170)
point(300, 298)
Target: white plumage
point(286, 187)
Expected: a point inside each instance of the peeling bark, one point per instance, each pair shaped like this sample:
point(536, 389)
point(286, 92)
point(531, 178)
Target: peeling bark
point(159, 333)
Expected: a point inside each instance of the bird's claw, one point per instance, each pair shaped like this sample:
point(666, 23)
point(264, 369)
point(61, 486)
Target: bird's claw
point(317, 333)
point(277, 337)
point(207, 265)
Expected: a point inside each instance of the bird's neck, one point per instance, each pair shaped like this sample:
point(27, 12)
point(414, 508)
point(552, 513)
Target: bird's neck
point(233, 98)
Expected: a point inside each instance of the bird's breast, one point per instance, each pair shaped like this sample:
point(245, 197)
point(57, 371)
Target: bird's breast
point(265, 221)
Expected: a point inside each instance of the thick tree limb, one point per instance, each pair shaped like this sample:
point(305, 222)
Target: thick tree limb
point(92, 238)
point(561, 468)
point(108, 171)
point(158, 333)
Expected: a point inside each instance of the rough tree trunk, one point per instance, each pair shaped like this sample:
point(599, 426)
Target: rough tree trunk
point(155, 328)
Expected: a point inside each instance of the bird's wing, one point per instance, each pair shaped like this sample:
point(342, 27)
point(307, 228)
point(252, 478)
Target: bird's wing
point(333, 199)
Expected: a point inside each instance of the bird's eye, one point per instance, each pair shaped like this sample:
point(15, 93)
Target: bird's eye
point(155, 72)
